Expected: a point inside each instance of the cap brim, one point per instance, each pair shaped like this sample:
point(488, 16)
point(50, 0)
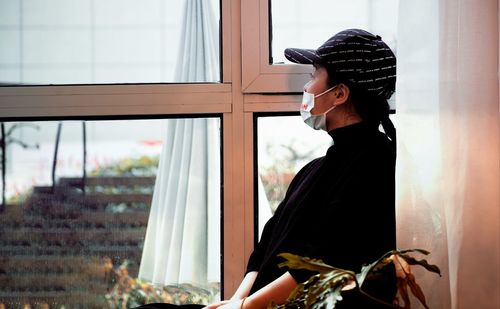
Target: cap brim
point(303, 56)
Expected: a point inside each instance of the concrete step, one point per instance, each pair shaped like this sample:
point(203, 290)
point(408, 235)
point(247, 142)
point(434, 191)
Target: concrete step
point(88, 219)
point(67, 236)
point(54, 299)
point(116, 252)
point(21, 264)
point(52, 282)
point(108, 181)
point(44, 194)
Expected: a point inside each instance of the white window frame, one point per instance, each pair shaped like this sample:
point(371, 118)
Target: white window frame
point(259, 76)
point(113, 100)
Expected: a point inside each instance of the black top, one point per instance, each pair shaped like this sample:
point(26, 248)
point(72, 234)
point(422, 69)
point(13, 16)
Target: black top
point(339, 208)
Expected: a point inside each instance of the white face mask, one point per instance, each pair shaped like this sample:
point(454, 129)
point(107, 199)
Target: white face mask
point(317, 122)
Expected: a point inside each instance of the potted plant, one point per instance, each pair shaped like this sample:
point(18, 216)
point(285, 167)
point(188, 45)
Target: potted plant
point(330, 285)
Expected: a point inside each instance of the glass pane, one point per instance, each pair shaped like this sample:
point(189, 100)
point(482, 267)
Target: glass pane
point(102, 42)
point(280, 155)
point(84, 241)
point(306, 24)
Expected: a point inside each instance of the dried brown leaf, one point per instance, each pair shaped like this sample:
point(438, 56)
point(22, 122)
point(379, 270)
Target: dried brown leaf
point(412, 261)
point(403, 292)
point(416, 290)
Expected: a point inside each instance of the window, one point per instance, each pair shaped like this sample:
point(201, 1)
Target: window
point(304, 24)
point(100, 42)
point(196, 93)
point(269, 26)
point(82, 211)
point(280, 155)
point(244, 54)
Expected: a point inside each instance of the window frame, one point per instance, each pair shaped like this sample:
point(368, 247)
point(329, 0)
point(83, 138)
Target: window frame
point(34, 102)
point(237, 97)
point(260, 76)
point(113, 100)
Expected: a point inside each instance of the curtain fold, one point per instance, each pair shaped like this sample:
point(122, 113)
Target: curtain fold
point(182, 243)
point(448, 170)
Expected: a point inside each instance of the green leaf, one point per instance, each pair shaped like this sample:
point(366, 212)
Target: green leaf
point(323, 290)
point(297, 262)
point(373, 267)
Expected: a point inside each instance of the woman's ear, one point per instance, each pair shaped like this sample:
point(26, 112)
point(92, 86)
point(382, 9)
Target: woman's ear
point(341, 94)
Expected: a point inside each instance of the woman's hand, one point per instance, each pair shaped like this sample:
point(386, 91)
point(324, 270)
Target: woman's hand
point(232, 304)
point(225, 304)
point(242, 292)
point(217, 304)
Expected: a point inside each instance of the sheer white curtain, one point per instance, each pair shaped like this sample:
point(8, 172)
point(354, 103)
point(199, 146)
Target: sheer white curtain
point(182, 242)
point(448, 173)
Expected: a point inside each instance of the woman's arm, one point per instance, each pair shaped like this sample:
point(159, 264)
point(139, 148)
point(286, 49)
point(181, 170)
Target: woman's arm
point(245, 286)
point(241, 292)
point(277, 291)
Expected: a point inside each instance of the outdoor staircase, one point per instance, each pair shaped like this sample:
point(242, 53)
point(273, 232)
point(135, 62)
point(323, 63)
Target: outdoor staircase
point(57, 249)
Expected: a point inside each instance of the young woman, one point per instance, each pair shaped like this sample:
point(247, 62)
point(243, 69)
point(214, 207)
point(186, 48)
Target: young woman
point(339, 208)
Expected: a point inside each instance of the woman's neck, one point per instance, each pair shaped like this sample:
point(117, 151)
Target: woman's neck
point(341, 118)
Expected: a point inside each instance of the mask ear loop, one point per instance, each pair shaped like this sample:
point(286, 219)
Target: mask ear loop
point(327, 90)
point(330, 109)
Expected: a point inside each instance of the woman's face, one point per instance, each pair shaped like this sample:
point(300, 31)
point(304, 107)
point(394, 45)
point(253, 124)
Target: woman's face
point(317, 85)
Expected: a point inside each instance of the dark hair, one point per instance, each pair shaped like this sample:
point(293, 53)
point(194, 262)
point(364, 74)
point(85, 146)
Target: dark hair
point(369, 107)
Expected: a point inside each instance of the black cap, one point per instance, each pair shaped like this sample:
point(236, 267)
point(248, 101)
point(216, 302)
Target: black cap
point(355, 55)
